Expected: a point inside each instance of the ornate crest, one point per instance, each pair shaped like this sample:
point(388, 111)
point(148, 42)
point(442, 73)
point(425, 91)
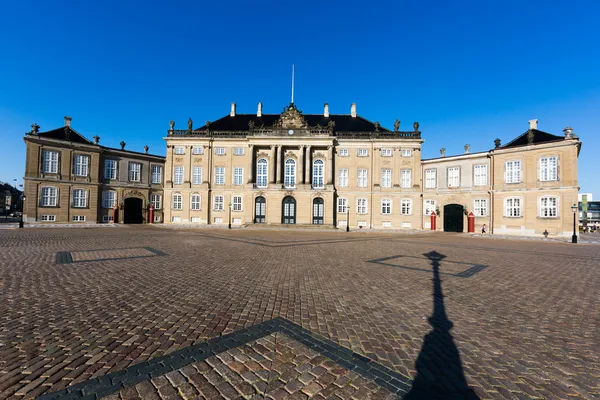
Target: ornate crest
point(290, 154)
point(319, 155)
point(134, 193)
point(291, 117)
point(289, 193)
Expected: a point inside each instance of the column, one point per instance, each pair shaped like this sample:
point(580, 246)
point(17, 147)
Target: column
point(273, 166)
point(251, 163)
point(300, 172)
point(279, 164)
point(307, 165)
point(329, 165)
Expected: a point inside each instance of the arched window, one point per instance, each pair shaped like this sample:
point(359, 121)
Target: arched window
point(262, 169)
point(290, 173)
point(318, 167)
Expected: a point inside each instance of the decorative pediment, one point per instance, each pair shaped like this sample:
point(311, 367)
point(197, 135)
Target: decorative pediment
point(319, 155)
point(291, 118)
point(262, 154)
point(290, 154)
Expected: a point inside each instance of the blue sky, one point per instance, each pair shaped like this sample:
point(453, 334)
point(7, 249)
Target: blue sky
point(468, 71)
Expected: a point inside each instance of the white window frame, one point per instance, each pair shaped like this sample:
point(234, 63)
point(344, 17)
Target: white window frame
point(454, 180)
point(135, 172)
point(318, 175)
point(342, 205)
point(362, 152)
point(220, 151)
point(480, 207)
point(78, 218)
point(109, 199)
point(80, 198)
point(81, 164)
point(513, 207)
point(406, 152)
point(110, 169)
point(198, 150)
point(178, 173)
point(362, 178)
point(429, 206)
point(195, 201)
point(238, 176)
point(238, 151)
point(179, 150)
point(177, 203)
point(343, 153)
point(386, 206)
point(362, 205)
point(406, 207)
point(237, 203)
point(512, 172)
point(156, 174)
point(262, 173)
point(343, 177)
point(48, 218)
point(107, 218)
point(289, 175)
point(157, 218)
point(386, 152)
point(49, 196)
point(546, 209)
point(386, 177)
point(549, 168)
point(406, 179)
point(156, 201)
point(196, 175)
point(480, 175)
point(431, 178)
point(218, 203)
point(219, 175)
point(50, 162)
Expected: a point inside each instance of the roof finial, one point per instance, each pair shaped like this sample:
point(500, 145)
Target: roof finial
point(292, 83)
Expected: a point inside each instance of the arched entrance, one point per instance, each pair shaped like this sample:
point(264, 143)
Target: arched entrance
point(133, 211)
point(260, 210)
point(453, 218)
point(288, 210)
point(318, 210)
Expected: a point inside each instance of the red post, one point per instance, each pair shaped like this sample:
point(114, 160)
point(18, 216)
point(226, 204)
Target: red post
point(433, 227)
point(151, 218)
point(116, 214)
point(471, 222)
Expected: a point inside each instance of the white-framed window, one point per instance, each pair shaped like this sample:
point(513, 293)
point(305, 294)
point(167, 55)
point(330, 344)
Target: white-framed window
point(343, 177)
point(549, 207)
point(80, 197)
point(428, 207)
point(81, 165)
point(318, 167)
point(343, 152)
point(50, 162)
point(289, 179)
point(219, 203)
point(177, 201)
point(549, 168)
point(386, 177)
point(386, 206)
point(238, 176)
point(480, 207)
point(453, 177)
point(363, 178)
point(196, 175)
point(198, 150)
point(156, 172)
point(362, 152)
point(49, 197)
point(512, 207)
point(406, 152)
point(262, 172)
point(406, 207)
point(361, 206)
point(406, 178)
point(135, 170)
point(78, 218)
point(219, 175)
point(220, 151)
point(480, 175)
point(386, 224)
point(238, 151)
point(175, 219)
point(512, 171)
point(156, 201)
point(237, 203)
point(178, 175)
point(109, 199)
point(110, 169)
point(386, 152)
point(157, 218)
point(195, 202)
point(48, 218)
point(430, 178)
point(107, 218)
point(179, 150)
point(342, 204)
point(218, 220)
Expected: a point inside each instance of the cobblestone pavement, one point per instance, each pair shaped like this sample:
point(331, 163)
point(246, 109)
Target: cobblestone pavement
point(144, 312)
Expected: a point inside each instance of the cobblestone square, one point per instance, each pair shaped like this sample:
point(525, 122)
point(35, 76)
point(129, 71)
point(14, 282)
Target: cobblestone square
point(149, 312)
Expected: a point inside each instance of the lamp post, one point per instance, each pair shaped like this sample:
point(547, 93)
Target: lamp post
point(574, 207)
point(229, 225)
point(348, 218)
point(22, 209)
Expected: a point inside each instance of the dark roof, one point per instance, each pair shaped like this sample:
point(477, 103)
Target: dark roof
point(538, 137)
point(65, 133)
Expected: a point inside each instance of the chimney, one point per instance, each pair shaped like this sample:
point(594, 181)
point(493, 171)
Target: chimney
point(443, 152)
point(122, 145)
point(96, 139)
point(232, 112)
point(497, 142)
point(353, 110)
point(68, 121)
point(533, 123)
point(326, 110)
point(146, 148)
point(467, 148)
point(258, 113)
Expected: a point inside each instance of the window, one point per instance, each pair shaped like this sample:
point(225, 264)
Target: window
point(238, 176)
point(195, 202)
point(363, 152)
point(343, 152)
point(428, 207)
point(110, 169)
point(237, 203)
point(386, 224)
point(262, 168)
point(238, 151)
point(50, 162)
point(363, 180)
point(157, 218)
point(196, 175)
point(80, 198)
point(197, 150)
point(548, 207)
point(406, 207)
point(342, 205)
point(361, 206)
point(175, 219)
point(218, 220)
point(81, 165)
point(406, 152)
point(178, 175)
point(49, 197)
point(480, 207)
point(512, 171)
point(78, 218)
point(318, 173)
point(179, 150)
point(454, 177)
point(50, 218)
point(549, 169)
point(343, 177)
point(220, 151)
point(386, 178)
point(406, 178)
point(480, 175)
point(107, 218)
point(177, 201)
point(156, 174)
point(289, 179)
point(109, 199)
point(386, 152)
point(134, 172)
point(430, 178)
point(219, 203)
point(219, 175)
point(512, 207)
point(386, 206)
point(156, 201)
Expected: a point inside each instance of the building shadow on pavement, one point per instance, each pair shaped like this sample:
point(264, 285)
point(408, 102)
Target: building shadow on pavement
point(439, 369)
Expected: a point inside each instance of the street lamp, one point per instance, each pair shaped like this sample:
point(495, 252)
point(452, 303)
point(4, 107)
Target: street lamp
point(574, 208)
point(229, 225)
point(22, 209)
point(348, 218)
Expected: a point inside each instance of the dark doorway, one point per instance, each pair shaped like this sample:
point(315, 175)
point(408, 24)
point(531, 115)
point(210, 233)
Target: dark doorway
point(453, 218)
point(318, 209)
point(260, 210)
point(133, 211)
point(288, 212)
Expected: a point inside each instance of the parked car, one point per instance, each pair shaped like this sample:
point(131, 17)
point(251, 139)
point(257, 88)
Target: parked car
point(15, 214)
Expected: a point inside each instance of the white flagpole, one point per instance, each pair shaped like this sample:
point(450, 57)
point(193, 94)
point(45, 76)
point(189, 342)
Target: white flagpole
point(292, 83)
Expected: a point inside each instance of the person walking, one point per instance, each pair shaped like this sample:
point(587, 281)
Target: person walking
point(483, 229)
